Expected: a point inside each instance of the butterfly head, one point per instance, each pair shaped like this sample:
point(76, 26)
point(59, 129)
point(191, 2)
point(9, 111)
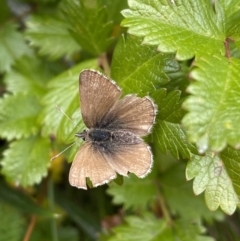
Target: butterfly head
point(83, 135)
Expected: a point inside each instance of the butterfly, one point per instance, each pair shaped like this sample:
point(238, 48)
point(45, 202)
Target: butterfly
point(113, 142)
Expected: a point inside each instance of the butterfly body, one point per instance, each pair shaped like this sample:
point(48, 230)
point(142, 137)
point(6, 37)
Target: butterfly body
point(99, 135)
point(113, 141)
point(108, 140)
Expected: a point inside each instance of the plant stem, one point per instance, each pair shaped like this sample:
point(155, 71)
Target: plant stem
point(164, 208)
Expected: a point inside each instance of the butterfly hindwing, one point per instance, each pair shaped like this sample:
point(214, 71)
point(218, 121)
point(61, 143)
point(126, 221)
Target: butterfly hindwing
point(135, 158)
point(90, 162)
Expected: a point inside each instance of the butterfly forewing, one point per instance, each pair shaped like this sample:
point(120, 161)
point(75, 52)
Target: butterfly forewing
point(97, 95)
point(90, 162)
point(133, 114)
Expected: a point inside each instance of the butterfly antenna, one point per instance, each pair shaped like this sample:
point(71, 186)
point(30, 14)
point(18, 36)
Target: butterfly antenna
point(60, 153)
point(58, 108)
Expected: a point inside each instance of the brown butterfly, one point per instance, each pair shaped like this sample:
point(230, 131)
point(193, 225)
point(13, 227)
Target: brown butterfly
point(112, 140)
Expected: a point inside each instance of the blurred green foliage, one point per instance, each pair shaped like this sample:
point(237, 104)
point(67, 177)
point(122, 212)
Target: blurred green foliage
point(184, 54)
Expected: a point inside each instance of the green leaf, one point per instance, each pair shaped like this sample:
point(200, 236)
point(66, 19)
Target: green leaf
point(211, 175)
point(180, 198)
point(147, 228)
point(77, 142)
point(30, 75)
point(231, 9)
point(181, 26)
point(26, 161)
point(188, 231)
point(18, 116)
point(64, 92)
point(135, 193)
point(114, 10)
point(213, 118)
point(51, 36)
point(12, 46)
point(140, 68)
point(231, 160)
point(119, 180)
point(179, 80)
point(20, 200)
point(168, 133)
point(89, 24)
point(12, 225)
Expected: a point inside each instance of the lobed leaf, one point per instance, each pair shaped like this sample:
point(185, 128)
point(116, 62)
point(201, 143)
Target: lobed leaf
point(140, 69)
point(18, 116)
point(89, 24)
point(180, 198)
point(211, 175)
point(149, 228)
point(51, 36)
point(213, 118)
point(168, 133)
point(12, 46)
point(187, 27)
point(231, 159)
point(136, 194)
point(26, 161)
point(187, 230)
point(30, 75)
point(231, 10)
point(146, 228)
